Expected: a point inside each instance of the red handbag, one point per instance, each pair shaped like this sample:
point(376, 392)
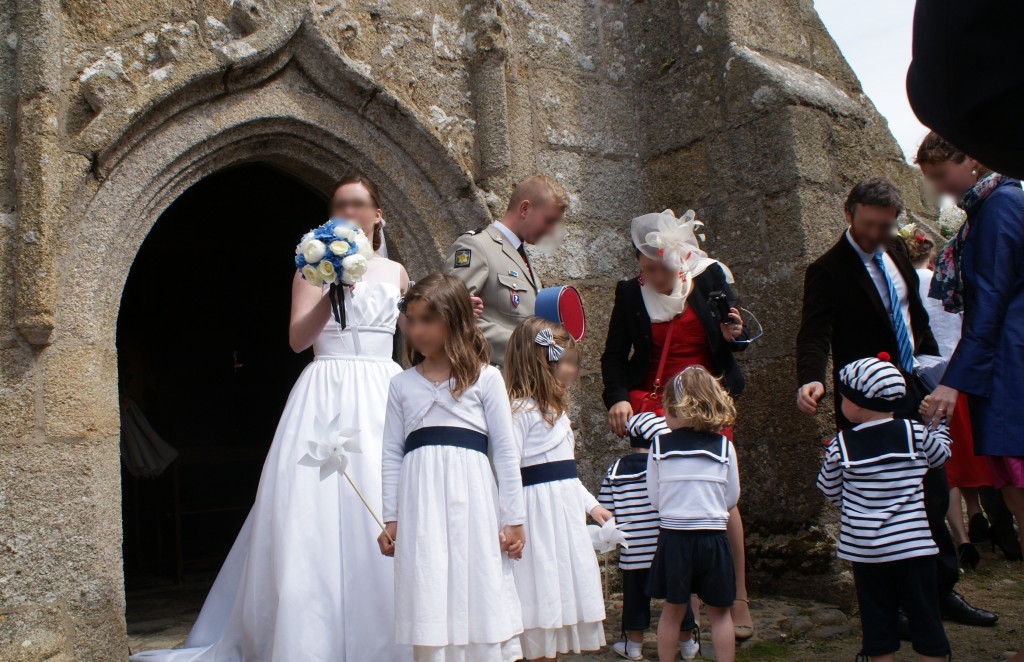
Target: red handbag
point(651, 402)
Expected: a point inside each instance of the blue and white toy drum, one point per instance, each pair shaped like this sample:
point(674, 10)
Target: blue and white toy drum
point(562, 305)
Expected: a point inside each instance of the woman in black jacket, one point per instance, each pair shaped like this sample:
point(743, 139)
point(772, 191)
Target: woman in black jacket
point(696, 315)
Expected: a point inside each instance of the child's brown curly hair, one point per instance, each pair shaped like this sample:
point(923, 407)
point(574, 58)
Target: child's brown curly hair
point(698, 400)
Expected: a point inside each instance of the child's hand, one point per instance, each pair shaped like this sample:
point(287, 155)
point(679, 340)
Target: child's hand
point(512, 540)
point(601, 515)
point(387, 545)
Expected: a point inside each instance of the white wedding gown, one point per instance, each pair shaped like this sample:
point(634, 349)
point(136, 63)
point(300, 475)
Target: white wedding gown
point(305, 580)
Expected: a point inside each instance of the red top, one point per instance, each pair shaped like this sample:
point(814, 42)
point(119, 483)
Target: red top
point(689, 347)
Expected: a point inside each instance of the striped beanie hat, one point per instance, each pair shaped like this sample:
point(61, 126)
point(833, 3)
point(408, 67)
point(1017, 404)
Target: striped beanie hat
point(874, 384)
point(644, 428)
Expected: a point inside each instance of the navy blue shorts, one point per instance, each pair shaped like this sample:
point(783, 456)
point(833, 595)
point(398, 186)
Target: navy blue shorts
point(693, 562)
point(636, 604)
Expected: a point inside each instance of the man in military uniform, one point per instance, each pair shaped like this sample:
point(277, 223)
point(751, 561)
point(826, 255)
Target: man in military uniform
point(492, 262)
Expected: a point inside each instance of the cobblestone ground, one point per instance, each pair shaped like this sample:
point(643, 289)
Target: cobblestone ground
point(786, 629)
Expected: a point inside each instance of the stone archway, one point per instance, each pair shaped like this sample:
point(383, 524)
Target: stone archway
point(296, 111)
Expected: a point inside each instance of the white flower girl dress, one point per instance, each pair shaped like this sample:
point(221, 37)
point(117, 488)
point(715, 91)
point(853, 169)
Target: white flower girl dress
point(305, 580)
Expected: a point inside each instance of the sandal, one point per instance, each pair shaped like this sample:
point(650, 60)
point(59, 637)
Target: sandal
point(744, 632)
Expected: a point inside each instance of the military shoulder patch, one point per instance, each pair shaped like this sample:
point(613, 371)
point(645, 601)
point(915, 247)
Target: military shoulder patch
point(463, 257)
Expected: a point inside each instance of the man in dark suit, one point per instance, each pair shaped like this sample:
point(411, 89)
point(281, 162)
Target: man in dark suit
point(861, 298)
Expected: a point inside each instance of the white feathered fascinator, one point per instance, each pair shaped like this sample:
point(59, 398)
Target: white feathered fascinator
point(674, 241)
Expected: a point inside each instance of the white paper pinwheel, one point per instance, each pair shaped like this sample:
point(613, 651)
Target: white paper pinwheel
point(607, 537)
point(331, 450)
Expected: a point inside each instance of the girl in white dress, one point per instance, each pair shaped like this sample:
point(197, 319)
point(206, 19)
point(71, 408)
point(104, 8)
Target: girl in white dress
point(558, 579)
point(454, 529)
point(303, 582)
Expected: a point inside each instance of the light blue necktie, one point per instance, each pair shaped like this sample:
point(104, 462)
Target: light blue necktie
point(899, 325)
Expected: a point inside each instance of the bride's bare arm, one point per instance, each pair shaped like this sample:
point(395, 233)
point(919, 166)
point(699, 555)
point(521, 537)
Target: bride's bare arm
point(405, 288)
point(310, 311)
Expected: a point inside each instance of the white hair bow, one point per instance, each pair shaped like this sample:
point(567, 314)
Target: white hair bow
point(545, 338)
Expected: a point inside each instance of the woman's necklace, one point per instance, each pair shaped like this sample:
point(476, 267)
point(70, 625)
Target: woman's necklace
point(435, 382)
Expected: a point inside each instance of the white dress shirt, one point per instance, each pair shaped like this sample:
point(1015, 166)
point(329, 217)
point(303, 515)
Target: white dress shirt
point(511, 236)
point(883, 288)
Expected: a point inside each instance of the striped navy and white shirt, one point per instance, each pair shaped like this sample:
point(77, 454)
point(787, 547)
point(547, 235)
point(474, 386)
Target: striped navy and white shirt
point(624, 492)
point(874, 472)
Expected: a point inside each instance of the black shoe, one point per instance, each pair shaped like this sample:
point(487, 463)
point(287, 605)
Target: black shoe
point(1008, 545)
point(904, 626)
point(968, 555)
point(956, 609)
point(977, 528)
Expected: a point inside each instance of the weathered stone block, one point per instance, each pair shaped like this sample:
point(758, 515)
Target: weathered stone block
point(28, 635)
point(61, 496)
point(18, 393)
point(581, 114)
point(679, 179)
point(94, 22)
point(80, 391)
point(602, 189)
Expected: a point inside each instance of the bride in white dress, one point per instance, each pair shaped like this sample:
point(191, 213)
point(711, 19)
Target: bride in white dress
point(304, 580)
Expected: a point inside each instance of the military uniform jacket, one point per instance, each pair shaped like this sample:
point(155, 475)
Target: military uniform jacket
point(494, 270)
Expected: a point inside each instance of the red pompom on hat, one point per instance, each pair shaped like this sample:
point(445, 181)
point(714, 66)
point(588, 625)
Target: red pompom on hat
point(884, 356)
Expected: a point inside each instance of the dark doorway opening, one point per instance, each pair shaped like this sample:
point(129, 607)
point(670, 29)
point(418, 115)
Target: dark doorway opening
point(204, 366)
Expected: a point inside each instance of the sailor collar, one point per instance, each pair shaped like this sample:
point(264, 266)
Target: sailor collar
point(685, 442)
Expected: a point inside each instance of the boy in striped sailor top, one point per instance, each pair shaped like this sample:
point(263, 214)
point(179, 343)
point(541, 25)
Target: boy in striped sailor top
point(624, 493)
point(874, 472)
point(693, 481)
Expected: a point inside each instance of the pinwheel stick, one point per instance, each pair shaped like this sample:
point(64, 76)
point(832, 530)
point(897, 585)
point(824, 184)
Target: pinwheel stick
point(367, 504)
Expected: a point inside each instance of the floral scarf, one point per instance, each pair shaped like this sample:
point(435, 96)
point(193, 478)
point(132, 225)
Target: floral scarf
point(947, 283)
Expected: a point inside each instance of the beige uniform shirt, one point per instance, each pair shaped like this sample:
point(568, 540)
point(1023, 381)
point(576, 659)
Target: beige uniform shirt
point(494, 270)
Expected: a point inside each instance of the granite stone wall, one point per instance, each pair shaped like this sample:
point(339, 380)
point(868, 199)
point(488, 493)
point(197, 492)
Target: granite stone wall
point(743, 110)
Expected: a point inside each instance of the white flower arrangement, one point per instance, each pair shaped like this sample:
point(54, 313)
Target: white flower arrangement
point(336, 253)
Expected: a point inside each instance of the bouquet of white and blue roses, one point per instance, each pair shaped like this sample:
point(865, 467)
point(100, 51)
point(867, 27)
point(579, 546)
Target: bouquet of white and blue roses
point(336, 254)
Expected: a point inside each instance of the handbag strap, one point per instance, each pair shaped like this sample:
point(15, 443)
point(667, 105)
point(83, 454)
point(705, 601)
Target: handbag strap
point(664, 355)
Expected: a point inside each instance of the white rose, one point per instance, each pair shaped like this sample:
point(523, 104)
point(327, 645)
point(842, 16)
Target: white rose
point(344, 232)
point(364, 246)
point(327, 272)
point(314, 251)
point(352, 269)
point(312, 276)
point(339, 247)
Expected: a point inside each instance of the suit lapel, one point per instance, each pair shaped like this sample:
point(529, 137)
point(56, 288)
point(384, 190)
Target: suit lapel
point(864, 280)
point(513, 255)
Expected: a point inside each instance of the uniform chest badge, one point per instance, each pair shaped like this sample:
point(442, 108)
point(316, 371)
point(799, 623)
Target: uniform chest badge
point(513, 273)
point(515, 299)
point(463, 257)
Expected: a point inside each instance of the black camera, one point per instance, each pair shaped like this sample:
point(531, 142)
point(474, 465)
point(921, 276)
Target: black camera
point(720, 306)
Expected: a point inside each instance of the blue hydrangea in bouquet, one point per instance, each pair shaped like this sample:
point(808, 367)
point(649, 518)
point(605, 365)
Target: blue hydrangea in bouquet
point(336, 254)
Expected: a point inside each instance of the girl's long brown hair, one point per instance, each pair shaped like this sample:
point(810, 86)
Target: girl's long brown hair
point(464, 345)
point(529, 374)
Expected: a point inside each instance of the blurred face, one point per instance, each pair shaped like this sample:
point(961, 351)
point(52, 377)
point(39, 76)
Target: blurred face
point(425, 329)
point(567, 369)
point(353, 202)
point(537, 221)
point(951, 178)
point(872, 227)
point(656, 274)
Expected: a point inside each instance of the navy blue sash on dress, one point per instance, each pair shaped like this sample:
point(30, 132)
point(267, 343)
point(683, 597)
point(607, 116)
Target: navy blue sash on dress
point(443, 435)
point(549, 472)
